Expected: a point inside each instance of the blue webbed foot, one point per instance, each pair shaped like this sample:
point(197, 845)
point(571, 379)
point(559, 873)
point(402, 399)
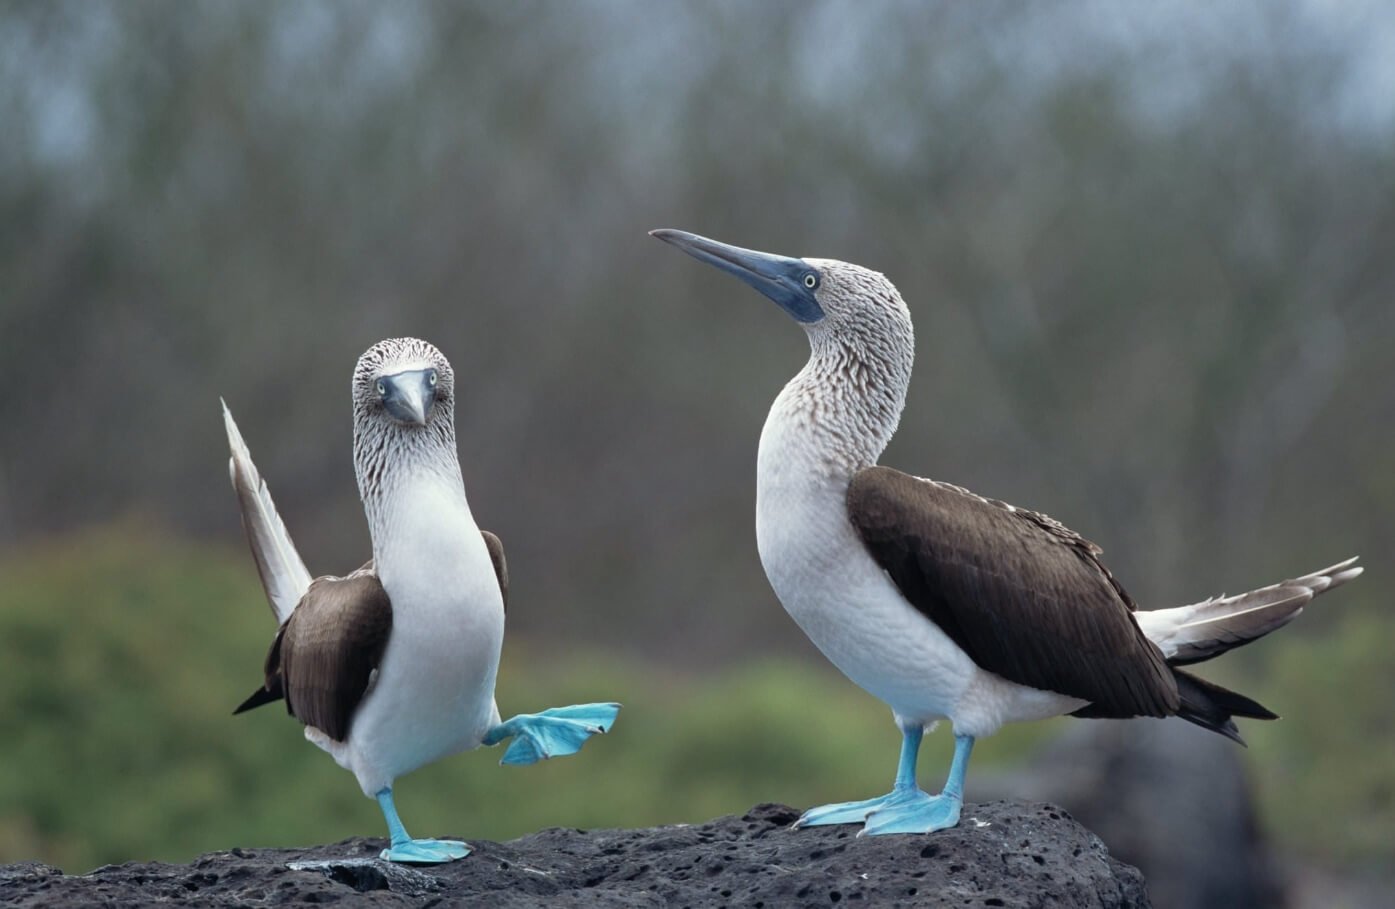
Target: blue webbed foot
point(402, 848)
point(425, 852)
point(841, 812)
point(554, 732)
point(899, 811)
point(920, 813)
point(906, 808)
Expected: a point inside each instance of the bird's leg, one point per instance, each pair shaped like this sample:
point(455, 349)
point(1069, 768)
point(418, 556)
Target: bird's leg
point(927, 814)
point(405, 849)
point(904, 788)
point(910, 754)
point(906, 809)
point(551, 733)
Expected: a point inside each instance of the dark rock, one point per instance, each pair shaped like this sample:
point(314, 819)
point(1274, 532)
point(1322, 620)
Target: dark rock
point(1008, 854)
point(26, 872)
point(366, 875)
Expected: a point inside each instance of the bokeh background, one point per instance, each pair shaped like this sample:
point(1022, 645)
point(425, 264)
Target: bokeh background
point(1149, 249)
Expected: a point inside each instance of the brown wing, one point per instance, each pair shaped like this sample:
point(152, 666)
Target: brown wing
point(501, 567)
point(1024, 597)
point(326, 652)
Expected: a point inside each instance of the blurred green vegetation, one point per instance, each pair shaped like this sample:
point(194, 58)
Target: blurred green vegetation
point(1326, 770)
point(125, 651)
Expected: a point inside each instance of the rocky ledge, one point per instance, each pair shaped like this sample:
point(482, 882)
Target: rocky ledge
point(1009, 854)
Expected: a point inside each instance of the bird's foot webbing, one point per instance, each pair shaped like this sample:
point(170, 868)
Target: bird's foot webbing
point(425, 852)
point(554, 732)
point(907, 808)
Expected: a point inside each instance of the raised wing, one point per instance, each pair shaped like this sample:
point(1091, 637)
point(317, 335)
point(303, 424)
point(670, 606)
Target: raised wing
point(284, 575)
point(501, 567)
point(1025, 597)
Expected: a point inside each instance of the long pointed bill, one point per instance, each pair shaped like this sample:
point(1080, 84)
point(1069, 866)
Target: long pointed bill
point(789, 282)
point(409, 396)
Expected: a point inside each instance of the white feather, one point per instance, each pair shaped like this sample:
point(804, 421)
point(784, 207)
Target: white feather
point(284, 575)
point(435, 690)
point(1209, 628)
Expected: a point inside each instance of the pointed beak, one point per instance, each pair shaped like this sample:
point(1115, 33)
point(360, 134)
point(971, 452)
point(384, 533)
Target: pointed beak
point(780, 278)
point(409, 396)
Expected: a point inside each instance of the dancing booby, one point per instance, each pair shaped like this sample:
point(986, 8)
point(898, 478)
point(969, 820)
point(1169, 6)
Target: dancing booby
point(393, 666)
point(943, 603)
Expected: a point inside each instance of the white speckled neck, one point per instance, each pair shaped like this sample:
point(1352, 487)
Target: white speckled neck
point(392, 461)
point(838, 413)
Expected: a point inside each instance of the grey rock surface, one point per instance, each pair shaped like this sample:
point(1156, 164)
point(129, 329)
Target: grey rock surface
point(1008, 854)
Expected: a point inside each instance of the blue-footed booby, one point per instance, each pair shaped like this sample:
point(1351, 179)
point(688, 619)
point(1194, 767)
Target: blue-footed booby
point(942, 603)
point(393, 666)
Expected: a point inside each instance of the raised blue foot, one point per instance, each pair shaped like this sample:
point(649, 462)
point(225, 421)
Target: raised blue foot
point(907, 808)
point(403, 848)
point(552, 733)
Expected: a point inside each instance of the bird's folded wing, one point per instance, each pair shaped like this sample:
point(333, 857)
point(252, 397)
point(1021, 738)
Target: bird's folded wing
point(330, 647)
point(1023, 596)
point(501, 567)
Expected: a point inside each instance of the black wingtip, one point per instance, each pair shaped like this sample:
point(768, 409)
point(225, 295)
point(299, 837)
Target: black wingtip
point(259, 698)
point(1210, 706)
point(1230, 731)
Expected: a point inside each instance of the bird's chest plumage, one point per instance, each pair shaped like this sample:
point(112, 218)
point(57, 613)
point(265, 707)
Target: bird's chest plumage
point(834, 590)
point(434, 693)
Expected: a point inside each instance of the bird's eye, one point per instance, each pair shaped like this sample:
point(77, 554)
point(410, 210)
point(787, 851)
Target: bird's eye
point(431, 378)
point(811, 281)
point(382, 389)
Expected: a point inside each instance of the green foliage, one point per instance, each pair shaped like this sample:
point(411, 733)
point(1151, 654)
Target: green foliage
point(1327, 775)
point(125, 655)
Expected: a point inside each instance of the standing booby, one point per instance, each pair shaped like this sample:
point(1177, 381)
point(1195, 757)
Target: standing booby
point(942, 603)
point(393, 666)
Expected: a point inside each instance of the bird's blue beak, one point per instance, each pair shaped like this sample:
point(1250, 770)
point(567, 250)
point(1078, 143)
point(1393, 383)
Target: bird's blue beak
point(409, 396)
point(789, 282)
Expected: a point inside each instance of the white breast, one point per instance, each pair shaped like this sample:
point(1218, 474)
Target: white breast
point(434, 693)
point(850, 608)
